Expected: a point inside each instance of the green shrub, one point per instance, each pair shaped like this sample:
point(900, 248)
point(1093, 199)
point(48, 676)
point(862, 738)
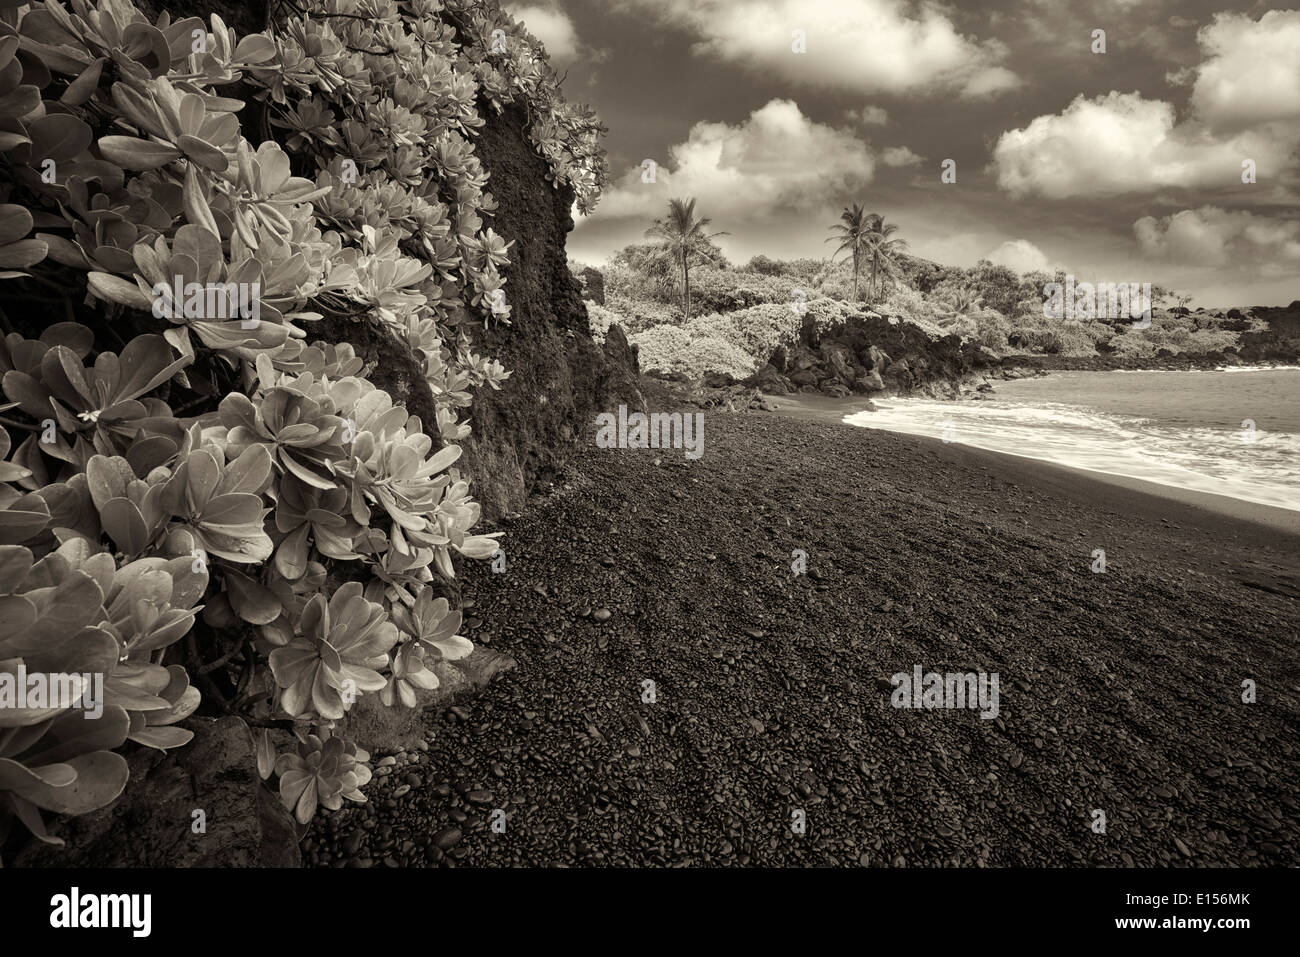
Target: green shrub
point(306, 512)
point(638, 315)
point(599, 319)
point(756, 331)
point(725, 290)
point(671, 349)
point(660, 347)
point(624, 282)
point(1181, 335)
point(803, 271)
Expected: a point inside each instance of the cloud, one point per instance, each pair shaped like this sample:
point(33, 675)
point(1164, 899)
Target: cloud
point(1210, 236)
point(899, 156)
point(1252, 73)
point(870, 115)
point(1022, 256)
point(776, 160)
point(990, 81)
point(1123, 143)
point(552, 26)
point(1245, 104)
point(866, 46)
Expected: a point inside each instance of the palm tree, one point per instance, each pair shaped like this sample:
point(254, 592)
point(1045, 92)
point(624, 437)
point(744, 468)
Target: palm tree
point(683, 239)
point(961, 302)
point(853, 227)
point(884, 251)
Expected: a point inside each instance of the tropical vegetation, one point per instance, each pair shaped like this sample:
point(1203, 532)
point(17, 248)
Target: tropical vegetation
point(738, 315)
point(222, 511)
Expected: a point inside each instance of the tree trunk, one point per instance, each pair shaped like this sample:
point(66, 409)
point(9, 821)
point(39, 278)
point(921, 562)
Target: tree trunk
point(686, 279)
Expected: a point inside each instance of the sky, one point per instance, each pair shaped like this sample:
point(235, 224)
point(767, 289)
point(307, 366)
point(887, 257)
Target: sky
point(1117, 155)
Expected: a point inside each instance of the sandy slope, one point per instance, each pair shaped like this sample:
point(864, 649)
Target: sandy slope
point(1119, 691)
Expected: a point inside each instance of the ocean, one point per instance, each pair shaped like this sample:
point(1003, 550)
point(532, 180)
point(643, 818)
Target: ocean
point(1234, 432)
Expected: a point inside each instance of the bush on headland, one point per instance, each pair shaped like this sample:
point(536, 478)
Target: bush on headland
point(210, 498)
point(755, 309)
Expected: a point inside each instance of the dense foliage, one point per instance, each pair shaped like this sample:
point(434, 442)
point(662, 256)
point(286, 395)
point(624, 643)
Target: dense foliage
point(735, 343)
point(757, 306)
point(175, 456)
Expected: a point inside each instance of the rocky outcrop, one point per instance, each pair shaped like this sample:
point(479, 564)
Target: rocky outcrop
point(1266, 334)
point(560, 378)
point(593, 285)
point(872, 354)
point(1279, 342)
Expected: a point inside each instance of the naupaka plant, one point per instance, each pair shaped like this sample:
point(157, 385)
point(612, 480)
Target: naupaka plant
point(214, 508)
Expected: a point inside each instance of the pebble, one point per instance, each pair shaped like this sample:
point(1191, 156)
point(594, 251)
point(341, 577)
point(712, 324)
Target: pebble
point(447, 838)
point(620, 805)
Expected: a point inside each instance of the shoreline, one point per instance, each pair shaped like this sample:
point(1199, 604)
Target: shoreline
point(1199, 362)
point(1060, 477)
point(1013, 362)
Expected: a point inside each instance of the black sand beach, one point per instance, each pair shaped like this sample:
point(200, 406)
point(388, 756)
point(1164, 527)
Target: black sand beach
point(1120, 692)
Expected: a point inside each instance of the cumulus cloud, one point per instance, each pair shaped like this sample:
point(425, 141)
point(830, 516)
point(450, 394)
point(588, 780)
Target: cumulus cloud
point(866, 46)
point(1245, 104)
point(1122, 143)
point(1022, 256)
point(1210, 236)
point(777, 159)
point(1251, 75)
point(552, 26)
point(899, 156)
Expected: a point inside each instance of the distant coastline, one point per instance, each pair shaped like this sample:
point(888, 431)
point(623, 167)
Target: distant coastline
point(1207, 362)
